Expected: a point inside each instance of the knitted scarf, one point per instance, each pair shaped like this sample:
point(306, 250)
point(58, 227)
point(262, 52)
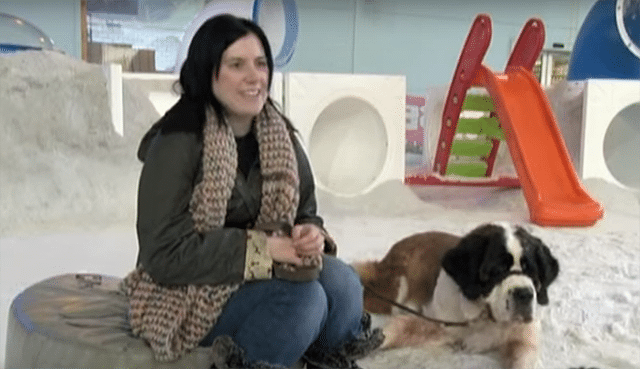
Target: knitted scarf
point(174, 319)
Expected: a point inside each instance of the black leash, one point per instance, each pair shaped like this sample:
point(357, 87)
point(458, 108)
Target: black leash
point(414, 312)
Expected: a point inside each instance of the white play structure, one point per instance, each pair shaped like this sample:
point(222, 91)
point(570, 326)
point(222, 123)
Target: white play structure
point(611, 132)
point(352, 125)
point(605, 67)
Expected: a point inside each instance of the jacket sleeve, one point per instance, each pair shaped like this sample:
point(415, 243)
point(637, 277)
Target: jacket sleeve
point(171, 251)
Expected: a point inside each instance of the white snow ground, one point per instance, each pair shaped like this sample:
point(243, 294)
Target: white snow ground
point(67, 204)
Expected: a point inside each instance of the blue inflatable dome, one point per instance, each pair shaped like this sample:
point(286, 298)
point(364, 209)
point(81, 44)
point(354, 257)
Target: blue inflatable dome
point(17, 34)
point(608, 43)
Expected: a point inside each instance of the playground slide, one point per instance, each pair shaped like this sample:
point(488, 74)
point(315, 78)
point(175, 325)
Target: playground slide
point(553, 191)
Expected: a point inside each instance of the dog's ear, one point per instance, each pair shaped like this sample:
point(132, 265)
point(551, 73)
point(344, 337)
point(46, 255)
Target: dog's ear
point(547, 267)
point(471, 263)
point(458, 263)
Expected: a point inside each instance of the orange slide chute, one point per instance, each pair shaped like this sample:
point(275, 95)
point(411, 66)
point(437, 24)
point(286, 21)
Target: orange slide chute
point(554, 193)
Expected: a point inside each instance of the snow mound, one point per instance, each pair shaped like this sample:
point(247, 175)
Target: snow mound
point(61, 158)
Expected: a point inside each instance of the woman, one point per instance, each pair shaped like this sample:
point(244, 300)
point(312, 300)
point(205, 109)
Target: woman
point(232, 253)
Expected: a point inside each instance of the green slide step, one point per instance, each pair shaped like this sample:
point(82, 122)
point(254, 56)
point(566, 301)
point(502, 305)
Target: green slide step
point(481, 126)
point(467, 169)
point(478, 102)
point(480, 147)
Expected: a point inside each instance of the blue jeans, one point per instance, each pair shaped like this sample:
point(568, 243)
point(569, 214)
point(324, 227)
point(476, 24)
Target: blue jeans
point(277, 320)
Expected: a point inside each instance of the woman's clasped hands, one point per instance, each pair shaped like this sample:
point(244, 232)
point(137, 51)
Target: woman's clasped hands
point(305, 240)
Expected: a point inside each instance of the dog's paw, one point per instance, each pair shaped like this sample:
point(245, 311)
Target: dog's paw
point(409, 330)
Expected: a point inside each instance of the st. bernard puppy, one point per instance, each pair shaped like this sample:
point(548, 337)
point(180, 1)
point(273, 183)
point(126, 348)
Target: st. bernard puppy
point(490, 281)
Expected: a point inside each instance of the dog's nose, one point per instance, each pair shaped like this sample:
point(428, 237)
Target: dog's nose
point(522, 295)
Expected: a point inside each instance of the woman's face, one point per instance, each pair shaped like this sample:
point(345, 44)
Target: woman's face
point(241, 84)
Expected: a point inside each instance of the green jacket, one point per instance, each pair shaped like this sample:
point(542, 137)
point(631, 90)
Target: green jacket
point(170, 250)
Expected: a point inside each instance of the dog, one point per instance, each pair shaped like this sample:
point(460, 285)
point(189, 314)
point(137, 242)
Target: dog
point(481, 289)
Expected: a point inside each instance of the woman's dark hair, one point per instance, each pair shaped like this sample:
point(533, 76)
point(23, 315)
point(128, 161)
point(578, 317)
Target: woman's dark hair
point(205, 55)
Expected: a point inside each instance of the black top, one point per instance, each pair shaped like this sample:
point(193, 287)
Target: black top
point(247, 152)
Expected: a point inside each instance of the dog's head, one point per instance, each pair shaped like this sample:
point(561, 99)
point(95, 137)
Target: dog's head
point(505, 266)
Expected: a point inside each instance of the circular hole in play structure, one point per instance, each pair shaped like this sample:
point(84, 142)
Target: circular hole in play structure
point(620, 146)
point(627, 14)
point(348, 146)
point(278, 19)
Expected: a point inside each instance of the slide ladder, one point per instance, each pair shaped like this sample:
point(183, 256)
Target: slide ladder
point(555, 195)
